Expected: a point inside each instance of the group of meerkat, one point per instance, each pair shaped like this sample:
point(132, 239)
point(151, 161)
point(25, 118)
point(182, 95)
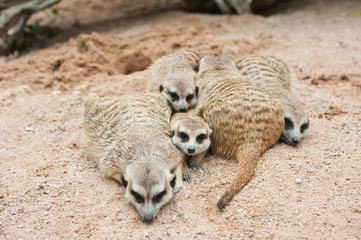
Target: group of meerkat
point(192, 103)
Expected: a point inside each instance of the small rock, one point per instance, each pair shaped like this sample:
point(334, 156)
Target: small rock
point(201, 171)
point(146, 234)
point(47, 191)
point(298, 181)
point(56, 93)
point(29, 129)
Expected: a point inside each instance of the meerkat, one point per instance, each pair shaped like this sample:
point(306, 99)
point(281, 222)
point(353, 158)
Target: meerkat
point(245, 121)
point(129, 138)
point(192, 135)
point(173, 76)
point(273, 76)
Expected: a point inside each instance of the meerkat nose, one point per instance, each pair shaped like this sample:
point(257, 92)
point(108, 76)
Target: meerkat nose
point(183, 109)
point(148, 217)
point(295, 141)
point(191, 150)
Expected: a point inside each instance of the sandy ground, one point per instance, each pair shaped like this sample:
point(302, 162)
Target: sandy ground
point(50, 190)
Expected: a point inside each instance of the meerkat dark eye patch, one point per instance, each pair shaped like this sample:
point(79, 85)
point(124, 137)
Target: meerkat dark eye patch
point(137, 196)
point(124, 182)
point(189, 97)
point(288, 124)
point(174, 96)
point(161, 88)
point(304, 127)
point(200, 138)
point(157, 198)
point(197, 90)
point(183, 136)
point(172, 183)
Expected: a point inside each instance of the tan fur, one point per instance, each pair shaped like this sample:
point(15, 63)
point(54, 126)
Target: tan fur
point(273, 76)
point(175, 74)
point(245, 121)
point(129, 138)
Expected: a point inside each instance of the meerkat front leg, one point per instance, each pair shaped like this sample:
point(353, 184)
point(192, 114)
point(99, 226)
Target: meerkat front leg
point(186, 176)
point(195, 160)
point(178, 181)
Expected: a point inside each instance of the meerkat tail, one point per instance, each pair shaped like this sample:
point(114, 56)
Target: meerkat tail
point(247, 157)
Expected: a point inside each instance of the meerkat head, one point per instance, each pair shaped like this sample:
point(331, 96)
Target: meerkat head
point(295, 128)
point(214, 61)
point(181, 94)
point(149, 186)
point(190, 133)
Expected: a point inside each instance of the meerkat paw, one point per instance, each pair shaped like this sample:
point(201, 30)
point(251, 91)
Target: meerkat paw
point(176, 190)
point(186, 176)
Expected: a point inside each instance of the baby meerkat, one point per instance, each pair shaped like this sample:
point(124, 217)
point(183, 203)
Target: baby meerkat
point(173, 76)
point(245, 121)
point(129, 138)
point(273, 76)
point(192, 135)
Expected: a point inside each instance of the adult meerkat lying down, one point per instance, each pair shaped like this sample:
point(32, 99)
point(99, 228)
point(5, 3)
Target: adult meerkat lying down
point(173, 76)
point(273, 76)
point(192, 135)
point(129, 138)
point(245, 121)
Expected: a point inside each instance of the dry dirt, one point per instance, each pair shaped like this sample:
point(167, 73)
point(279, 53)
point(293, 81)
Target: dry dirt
point(50, 190)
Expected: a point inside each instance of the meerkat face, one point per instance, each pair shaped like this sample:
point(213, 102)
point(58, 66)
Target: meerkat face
point(148, 187)
point(181, 95)
point(295, 128)
point(192, 136)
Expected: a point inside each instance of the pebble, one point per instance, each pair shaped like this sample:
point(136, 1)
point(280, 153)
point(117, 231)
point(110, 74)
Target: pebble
point(201, 171)
point(146, 234)
point(47, 191)
point(56, 93)
point(298, 181)
point(29, 129)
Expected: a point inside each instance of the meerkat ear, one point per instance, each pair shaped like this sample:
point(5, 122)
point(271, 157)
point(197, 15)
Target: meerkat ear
point(172, 134)
point(173, 179)
point(124, 182)
point(196, 67)
point(161, 88)
point(197, 90)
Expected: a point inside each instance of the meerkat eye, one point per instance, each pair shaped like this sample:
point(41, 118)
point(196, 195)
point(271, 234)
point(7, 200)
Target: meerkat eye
point(159, 196)
point(183, 136)
point(174, 96)
point(304, 127)
point(288, 124)
point(200, 138)
point(189, 97)
point(137, 196)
